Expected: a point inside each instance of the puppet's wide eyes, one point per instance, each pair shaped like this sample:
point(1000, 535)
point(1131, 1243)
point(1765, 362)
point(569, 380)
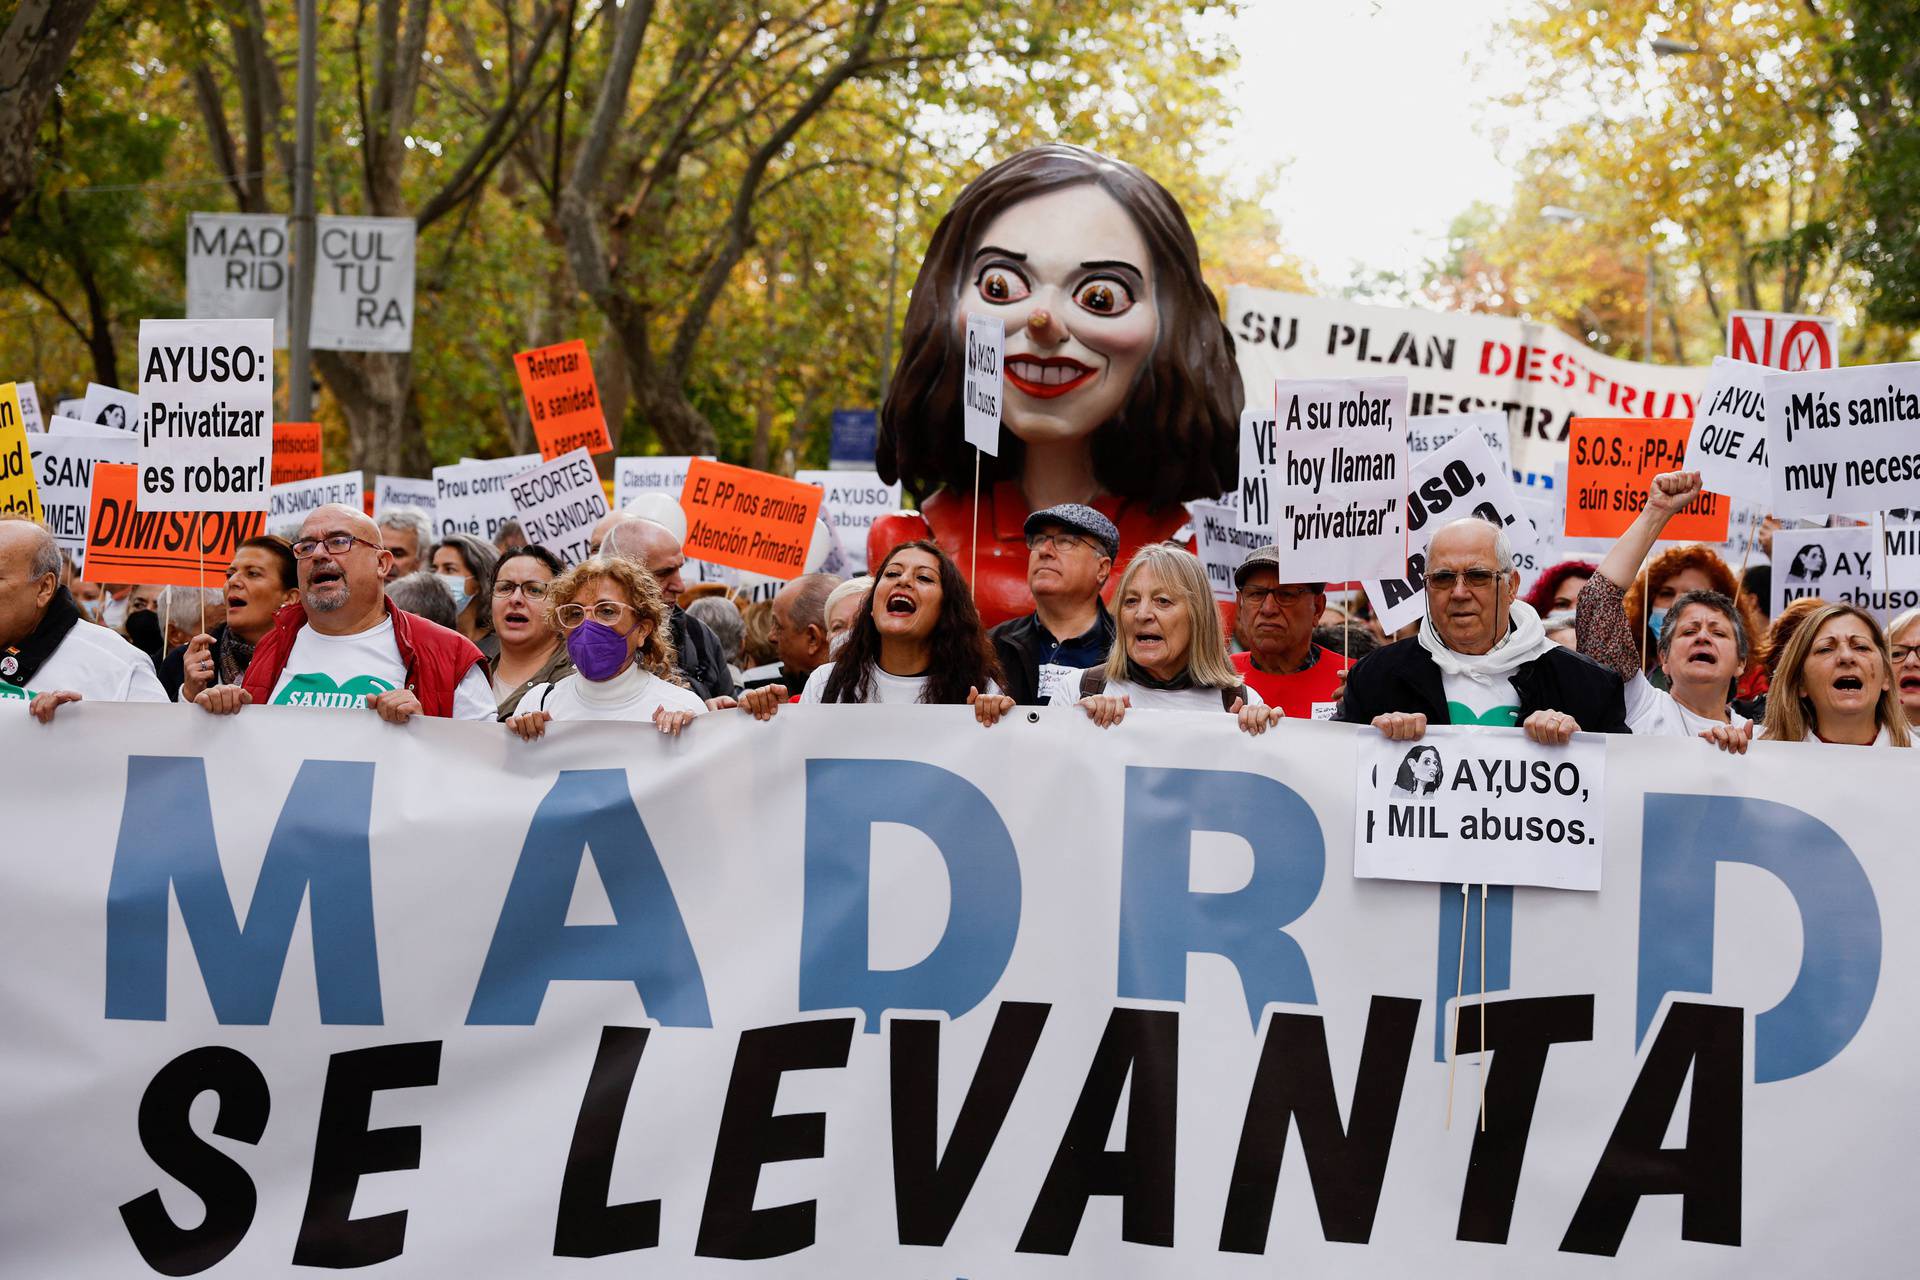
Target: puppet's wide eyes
point(1104, 297)
point(1000, 284)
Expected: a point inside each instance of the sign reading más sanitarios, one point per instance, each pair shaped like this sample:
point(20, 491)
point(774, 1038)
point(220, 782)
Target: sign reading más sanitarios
point(850, 995)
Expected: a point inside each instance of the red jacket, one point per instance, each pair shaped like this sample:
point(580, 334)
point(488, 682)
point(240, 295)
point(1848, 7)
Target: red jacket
point(436, 659)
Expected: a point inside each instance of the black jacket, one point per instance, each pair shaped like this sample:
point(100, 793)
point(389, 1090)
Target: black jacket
point(1022, 644)
point(697, 653)
point(1404, 677)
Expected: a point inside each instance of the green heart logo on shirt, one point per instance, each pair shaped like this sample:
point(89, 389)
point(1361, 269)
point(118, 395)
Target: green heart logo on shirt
point(8, 691)
point(317, 689)
point(1497, 717)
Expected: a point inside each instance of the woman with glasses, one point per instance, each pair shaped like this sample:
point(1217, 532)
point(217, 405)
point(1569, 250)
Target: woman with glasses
point(523, 646)
point(615, 623)
point(1836, 683)
point(1903, 638)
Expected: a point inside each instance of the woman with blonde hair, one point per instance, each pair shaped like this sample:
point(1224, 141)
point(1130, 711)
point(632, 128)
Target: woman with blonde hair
point(1835, 683)
point(1170, 652)
point(1903, 647)
point(618, 635)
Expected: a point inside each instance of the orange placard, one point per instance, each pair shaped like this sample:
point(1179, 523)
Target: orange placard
point(167, 548)
point(562, 399)
point(1610, 464)
point(747, 519)
point(296, 452)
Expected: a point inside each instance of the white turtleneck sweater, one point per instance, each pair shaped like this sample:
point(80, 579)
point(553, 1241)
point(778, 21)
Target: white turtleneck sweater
point(634, 694)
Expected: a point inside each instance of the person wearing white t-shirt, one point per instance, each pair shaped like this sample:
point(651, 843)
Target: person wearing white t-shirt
point(919, 640)
point(343, 647)
point(617, 635)
point(1170, 651)
point(49, 654)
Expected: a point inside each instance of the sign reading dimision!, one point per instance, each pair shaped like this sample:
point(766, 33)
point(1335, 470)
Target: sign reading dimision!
point(171, 548)
point(563, 401)
point(748, 519)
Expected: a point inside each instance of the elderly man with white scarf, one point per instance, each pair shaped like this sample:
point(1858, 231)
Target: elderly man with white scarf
point(1481, 657)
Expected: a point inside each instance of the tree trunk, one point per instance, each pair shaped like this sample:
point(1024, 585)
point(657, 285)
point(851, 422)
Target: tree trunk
point(375, 393)
point(33, 52)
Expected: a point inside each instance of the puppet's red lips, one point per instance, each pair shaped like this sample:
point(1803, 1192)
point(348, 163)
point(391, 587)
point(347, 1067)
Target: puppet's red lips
point(1045, 378)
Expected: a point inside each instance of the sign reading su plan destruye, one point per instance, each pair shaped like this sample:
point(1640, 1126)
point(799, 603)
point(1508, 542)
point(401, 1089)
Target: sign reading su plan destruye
point(206, 399)
point(1844, 439)
point(1338, 478)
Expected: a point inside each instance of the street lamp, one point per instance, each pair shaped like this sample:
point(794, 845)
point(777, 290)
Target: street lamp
point(1561, 213)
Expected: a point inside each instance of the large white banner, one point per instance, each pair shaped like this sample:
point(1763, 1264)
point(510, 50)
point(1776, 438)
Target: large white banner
point(1454, 362)
point(853, 994)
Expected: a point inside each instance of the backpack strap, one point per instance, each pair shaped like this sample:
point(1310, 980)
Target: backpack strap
point(1092, 681)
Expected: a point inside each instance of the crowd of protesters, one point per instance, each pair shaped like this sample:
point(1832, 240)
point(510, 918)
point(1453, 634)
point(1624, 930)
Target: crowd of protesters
point(354, 614)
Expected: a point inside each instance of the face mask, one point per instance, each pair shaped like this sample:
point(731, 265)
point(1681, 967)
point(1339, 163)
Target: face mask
point(597, 650)
point(456, 585)
point(836, 643)
point(1657, 619)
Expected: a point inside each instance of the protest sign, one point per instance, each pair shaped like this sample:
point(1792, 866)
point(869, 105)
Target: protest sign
point(558, 503)
point(563, 401)
point(68, 408)
point(1221, 544)
point(171, 548)
point(984, 385)
point(635, 477)
point(296, 452)
point(1611, 463)
point(1338, 477)
point(402, 491)
point(63, 468)
point(1258, 451)
point(111, 407)
point(1460, 478)
point(471, 497)
point(293, 502)
point(1780, 340)
point(748, 519)
point(19, 495)
point(1428, 431)
point(1454, 361)
point(1728, 442)
point(29, 399)
point(1481, 806)
point(573, 984)
point(237, 268)
point(206, 423)
point(852, 501)
point(1902, 543)
point(1844, 439)
point(65, 426)
point(363, 284)
point(1842, 566)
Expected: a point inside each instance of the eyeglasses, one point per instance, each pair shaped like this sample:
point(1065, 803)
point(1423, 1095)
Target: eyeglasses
point(1447, 579)
point(531, 590)
point(337, 544)
point(1255, 598)
point(1901, 652)
point(607, 613)
point(1058, 541)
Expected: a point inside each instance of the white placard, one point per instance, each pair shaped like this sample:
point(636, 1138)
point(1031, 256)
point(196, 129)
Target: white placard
point(1221, 544)
point(853, 501)
point(471, 497)
point(1844, 439)
point(1728, 444)
point(110, 407)
point(1842, 566)
point(1481, 806)
point(363, 284)
point(559, 502)
point(1903, 552)
point(402, 491)
point(206, 396)
point(1339, 478)
point(64, 426)
point(1461, 478)
point(63, 466)
point(984, 385)
point(1254, 505)
point(635, 477)
point(295, 500)
point(237, 268)
point(30, 419)
point(68, 408)
point(1781, 340)
point(1428, 431)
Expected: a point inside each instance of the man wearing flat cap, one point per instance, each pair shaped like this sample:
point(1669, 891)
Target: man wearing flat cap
point(1070, 553)
point(1276, 622)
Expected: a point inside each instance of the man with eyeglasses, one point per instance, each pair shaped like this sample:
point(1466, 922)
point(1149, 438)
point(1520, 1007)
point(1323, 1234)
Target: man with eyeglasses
point(1276, 620)
point(1481, 656)
point(1070, 554)
point(342, 646)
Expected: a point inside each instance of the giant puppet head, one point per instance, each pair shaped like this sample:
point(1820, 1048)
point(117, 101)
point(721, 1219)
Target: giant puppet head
point(1118, 367)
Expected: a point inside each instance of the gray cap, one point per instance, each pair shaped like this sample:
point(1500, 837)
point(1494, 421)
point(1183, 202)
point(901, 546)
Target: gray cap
point(1267, 557)
point(1081, 519)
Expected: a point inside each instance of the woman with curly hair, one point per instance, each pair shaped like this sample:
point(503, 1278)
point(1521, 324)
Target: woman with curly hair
point(617, 633)
point(1694, 567)
point(1835, 684)
point(918, 639)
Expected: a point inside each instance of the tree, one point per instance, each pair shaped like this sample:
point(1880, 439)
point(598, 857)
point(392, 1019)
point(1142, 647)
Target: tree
point(34, 49)
point(1879, 68)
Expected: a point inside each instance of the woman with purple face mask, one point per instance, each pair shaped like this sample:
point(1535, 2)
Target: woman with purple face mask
point(614, 622)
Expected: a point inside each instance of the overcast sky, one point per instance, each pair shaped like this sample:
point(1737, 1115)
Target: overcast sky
point(1384, 110)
